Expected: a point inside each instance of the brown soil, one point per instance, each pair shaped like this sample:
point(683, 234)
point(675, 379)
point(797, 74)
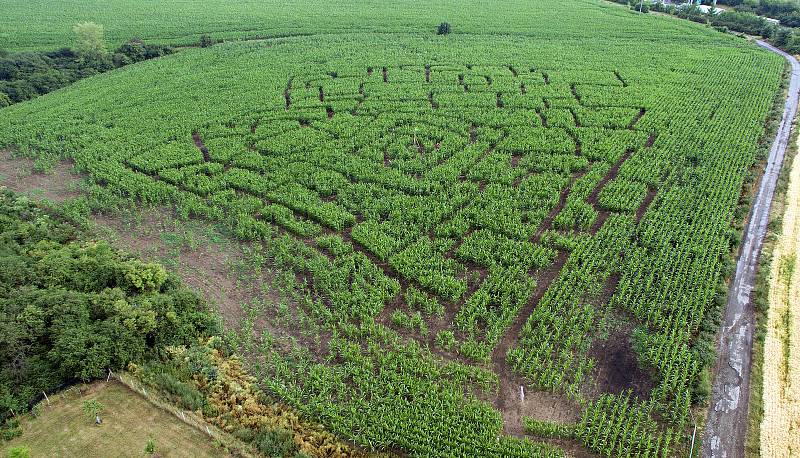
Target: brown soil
point(562, 201)
point(617, 75)
point(651, 194)
point(198, 142)
point(575, 94)
point(610, 175)
point(617, 366)
point(511, 335)
point(650, 140)
point(542, 119)
point(636, 118)
point(213, 266)
point(209, 268)
point(287, 94)
point(57, 185)
point(540, 405)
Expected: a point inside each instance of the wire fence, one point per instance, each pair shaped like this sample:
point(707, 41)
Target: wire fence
point(188, 417)
point(192, 419)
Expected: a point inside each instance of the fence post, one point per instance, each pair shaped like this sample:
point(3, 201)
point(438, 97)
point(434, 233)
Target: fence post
point(109, 376)
point(45, 396)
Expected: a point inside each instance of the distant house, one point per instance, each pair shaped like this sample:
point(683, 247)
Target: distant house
point(706, 9)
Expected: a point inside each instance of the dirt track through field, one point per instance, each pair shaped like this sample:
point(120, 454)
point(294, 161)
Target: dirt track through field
point(726, 425)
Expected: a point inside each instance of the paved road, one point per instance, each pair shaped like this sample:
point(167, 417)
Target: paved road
point(727, 416)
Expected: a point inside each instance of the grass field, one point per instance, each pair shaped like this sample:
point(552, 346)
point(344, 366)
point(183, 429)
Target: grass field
point(779, 429)
point(527, 219)
point(128, 422)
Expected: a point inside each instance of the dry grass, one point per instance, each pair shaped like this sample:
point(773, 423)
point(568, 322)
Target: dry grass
point(780, 427)
point(128, 422)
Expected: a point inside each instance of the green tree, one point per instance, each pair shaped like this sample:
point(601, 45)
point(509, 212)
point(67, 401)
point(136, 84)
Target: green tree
point(90, 38)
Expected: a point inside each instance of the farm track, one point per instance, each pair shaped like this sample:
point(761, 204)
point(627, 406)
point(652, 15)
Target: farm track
point(726, 424)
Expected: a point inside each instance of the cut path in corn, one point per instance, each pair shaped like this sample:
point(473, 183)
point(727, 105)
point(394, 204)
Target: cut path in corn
point(726, 425)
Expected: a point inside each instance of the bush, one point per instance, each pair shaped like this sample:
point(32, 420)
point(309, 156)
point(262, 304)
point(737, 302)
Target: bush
point(135, 50)
point(275, 442)
point(206, 41)
point(748, 23)
point(781, 37)
point(443, 29)
point(20, 451)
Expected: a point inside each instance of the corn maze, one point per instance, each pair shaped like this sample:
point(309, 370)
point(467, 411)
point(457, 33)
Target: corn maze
point(462, 219)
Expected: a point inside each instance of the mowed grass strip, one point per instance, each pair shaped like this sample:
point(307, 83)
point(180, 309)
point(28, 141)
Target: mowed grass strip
point(129, 420)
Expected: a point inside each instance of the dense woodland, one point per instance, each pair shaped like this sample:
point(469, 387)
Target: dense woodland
point(71, 309)
point(26, 75)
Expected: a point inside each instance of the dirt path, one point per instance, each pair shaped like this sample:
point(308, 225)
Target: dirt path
point(726, 425)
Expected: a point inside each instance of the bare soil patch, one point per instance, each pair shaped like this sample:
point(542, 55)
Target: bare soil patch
point(215, 267)
point(57, 185)
point(617, 366)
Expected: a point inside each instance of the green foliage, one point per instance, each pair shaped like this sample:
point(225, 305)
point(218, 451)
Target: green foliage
point(150, 447)
point(72, 310)
point(443, 29)
point(10, 429)
point(93, 408)
point(20, 451)
point(26, 75)
point(547, 429)
point(445, 340)
point(275, 443)
point(489, 189)
point(90, 38)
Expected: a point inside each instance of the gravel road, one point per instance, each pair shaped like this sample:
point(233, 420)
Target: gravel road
point(726, 426)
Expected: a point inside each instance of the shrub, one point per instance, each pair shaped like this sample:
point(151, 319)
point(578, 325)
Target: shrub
point(781, 37)
point(20, 451)
point(443, 29)
point(93, 408)
point(275, 442)
point(206, 40)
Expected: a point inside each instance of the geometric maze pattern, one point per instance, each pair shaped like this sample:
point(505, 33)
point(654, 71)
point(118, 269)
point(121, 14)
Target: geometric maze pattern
point(458, 191)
